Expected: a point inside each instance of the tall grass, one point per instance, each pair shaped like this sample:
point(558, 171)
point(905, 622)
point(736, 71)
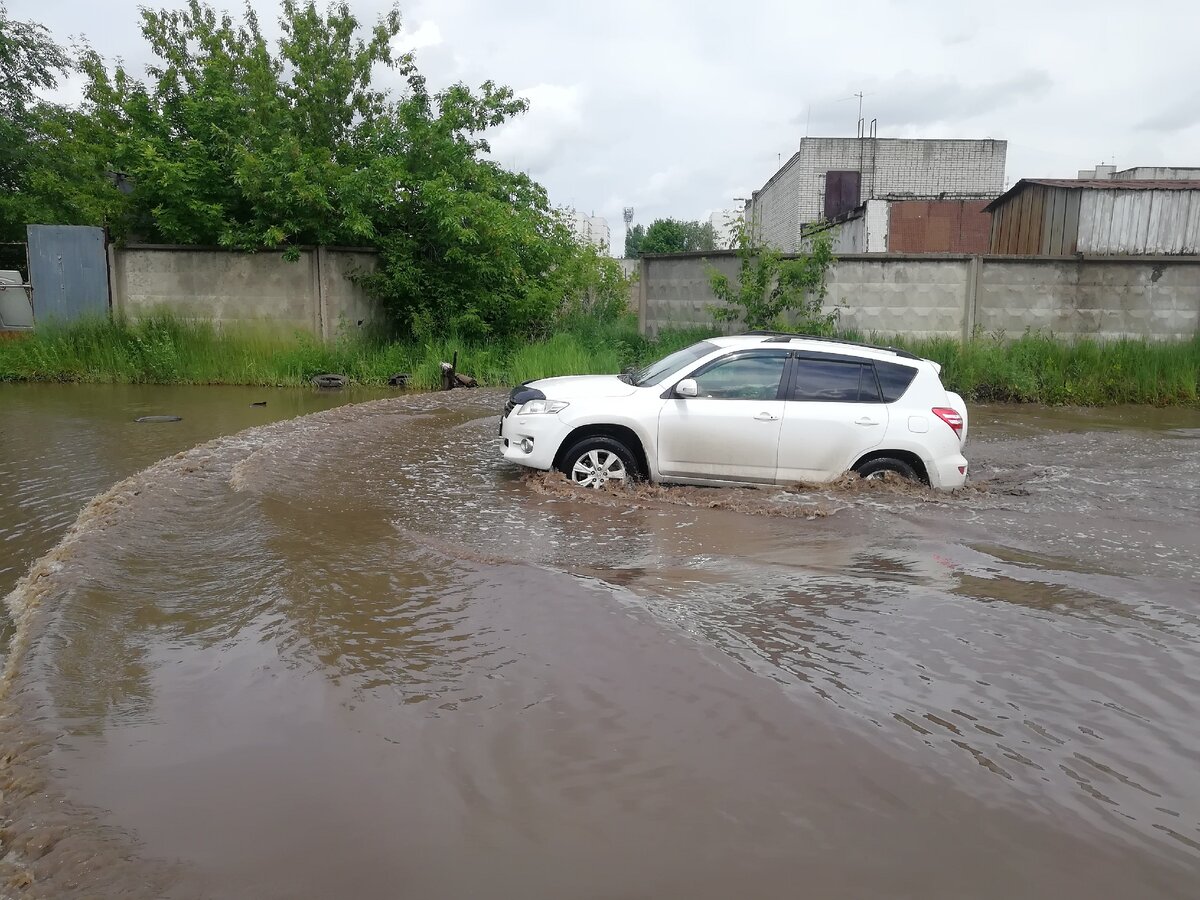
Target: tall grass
point(162, 349)
point(1037, 368)
point(165, 350)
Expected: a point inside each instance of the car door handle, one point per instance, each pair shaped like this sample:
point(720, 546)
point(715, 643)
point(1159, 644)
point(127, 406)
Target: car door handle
point(866, 421)
point(766, 417)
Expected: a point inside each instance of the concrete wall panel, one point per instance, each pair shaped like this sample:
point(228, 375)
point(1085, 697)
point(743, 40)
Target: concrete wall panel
point(346, 308)
point(922, 296)
point(900, 296)
point(263, 290)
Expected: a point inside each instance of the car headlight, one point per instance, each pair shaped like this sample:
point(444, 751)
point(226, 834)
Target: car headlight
point(542, 407)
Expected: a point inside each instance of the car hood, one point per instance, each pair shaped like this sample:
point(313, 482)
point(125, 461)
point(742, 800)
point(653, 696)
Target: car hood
point(572, 387)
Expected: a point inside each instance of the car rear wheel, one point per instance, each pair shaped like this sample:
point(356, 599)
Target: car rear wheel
point(598, 461)
point(878, 468)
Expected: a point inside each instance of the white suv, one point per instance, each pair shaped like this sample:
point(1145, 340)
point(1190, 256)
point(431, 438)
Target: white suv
point(761, 408)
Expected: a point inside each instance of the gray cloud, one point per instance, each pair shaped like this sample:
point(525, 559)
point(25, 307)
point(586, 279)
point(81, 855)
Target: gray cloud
point(911, 99)
point(1178, 116)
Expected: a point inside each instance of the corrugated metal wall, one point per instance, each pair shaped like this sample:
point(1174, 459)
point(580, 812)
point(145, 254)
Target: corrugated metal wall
point(1123, 222)
point(1040, 220)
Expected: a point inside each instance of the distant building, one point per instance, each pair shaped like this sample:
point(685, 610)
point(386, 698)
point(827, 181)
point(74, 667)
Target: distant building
point(829, 178)
point(724, 224)
point(1103, 216)
point(1141, 173)
point(588, 229)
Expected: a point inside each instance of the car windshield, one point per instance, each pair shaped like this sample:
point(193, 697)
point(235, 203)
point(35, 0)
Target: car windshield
point(657, 371)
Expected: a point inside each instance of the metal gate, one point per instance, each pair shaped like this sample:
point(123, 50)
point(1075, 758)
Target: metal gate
point(68, 271)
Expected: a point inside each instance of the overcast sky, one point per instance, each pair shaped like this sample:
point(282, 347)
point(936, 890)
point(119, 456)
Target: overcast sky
point(675, 108)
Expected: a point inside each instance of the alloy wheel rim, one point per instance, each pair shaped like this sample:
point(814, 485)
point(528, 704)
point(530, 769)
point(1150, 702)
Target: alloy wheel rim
point(597, 468)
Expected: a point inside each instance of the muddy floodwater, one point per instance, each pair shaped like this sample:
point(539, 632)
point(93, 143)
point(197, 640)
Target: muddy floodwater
point(354, 654)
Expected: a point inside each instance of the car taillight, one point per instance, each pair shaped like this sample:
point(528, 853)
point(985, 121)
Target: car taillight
point(951, 417)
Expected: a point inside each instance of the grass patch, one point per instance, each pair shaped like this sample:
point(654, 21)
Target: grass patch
point(162, 349)
point(166, 350)
point(1036, 368)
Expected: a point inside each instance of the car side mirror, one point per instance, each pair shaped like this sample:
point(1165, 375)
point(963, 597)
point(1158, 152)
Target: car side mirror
point(687, 388)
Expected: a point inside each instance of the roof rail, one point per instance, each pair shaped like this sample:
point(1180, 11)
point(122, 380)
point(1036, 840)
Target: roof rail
point(782, 337)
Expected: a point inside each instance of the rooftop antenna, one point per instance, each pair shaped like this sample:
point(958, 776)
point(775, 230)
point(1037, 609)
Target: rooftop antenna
point(859, 95)
point(627, 213)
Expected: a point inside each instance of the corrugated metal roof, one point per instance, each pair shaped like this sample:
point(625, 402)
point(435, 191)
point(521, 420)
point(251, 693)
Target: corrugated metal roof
point(1095, 184)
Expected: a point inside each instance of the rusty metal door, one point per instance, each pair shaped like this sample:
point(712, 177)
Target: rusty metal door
point(842, 191)
point(68, 271)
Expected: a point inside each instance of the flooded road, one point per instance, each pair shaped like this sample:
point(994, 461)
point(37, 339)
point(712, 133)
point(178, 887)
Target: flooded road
point(355, 654)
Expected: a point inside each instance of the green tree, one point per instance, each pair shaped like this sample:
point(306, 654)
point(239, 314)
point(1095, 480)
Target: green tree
point(677, 236)
point(633, 241)
point(229, 143)
point(470, 246)
point(231, 140)
point(774, 292)
point(30, 61)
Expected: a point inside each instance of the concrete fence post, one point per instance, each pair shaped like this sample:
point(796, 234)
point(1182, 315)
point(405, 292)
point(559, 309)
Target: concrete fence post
point(323, 270)
point(116, 296)
point(971, 297)
point(642, 306)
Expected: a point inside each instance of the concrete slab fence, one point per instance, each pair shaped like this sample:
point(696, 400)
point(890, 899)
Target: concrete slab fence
point(930, 295)
point(314, 294)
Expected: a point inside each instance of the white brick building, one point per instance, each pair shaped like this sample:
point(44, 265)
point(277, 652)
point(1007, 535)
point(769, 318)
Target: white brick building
point(828, 177)
point(724, 222)
point(588, 229)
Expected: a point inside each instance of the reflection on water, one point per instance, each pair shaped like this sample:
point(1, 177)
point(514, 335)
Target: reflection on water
point(356, 654)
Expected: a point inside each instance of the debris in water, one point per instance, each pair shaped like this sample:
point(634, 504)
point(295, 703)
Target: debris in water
point(452, 378)
point(151, 419)
point(330, 382)
point(259, 403)
point(400, 379)
point(448, 369)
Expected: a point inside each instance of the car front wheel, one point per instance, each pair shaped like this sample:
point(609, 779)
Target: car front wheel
point(598, 461)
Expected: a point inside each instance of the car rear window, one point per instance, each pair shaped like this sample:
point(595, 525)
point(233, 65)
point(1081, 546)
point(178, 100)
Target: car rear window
point(834, 381)
point(894, 379)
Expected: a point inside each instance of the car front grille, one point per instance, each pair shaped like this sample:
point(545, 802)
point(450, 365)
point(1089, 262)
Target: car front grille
point(509, 406)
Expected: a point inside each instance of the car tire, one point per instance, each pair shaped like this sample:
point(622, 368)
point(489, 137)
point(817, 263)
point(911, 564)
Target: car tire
point(875, 468)
point(598, 461)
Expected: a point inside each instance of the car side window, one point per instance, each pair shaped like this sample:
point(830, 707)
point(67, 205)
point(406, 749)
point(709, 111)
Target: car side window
point(743, 378)
point(834, 381)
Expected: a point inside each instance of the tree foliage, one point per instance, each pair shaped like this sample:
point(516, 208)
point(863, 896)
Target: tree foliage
point(30, 61)
point(773, 292)
point(634, 235)
point(237, 141)
point(676, 236)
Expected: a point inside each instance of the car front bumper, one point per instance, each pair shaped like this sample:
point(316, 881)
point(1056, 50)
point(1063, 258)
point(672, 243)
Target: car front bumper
point(532, 440)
